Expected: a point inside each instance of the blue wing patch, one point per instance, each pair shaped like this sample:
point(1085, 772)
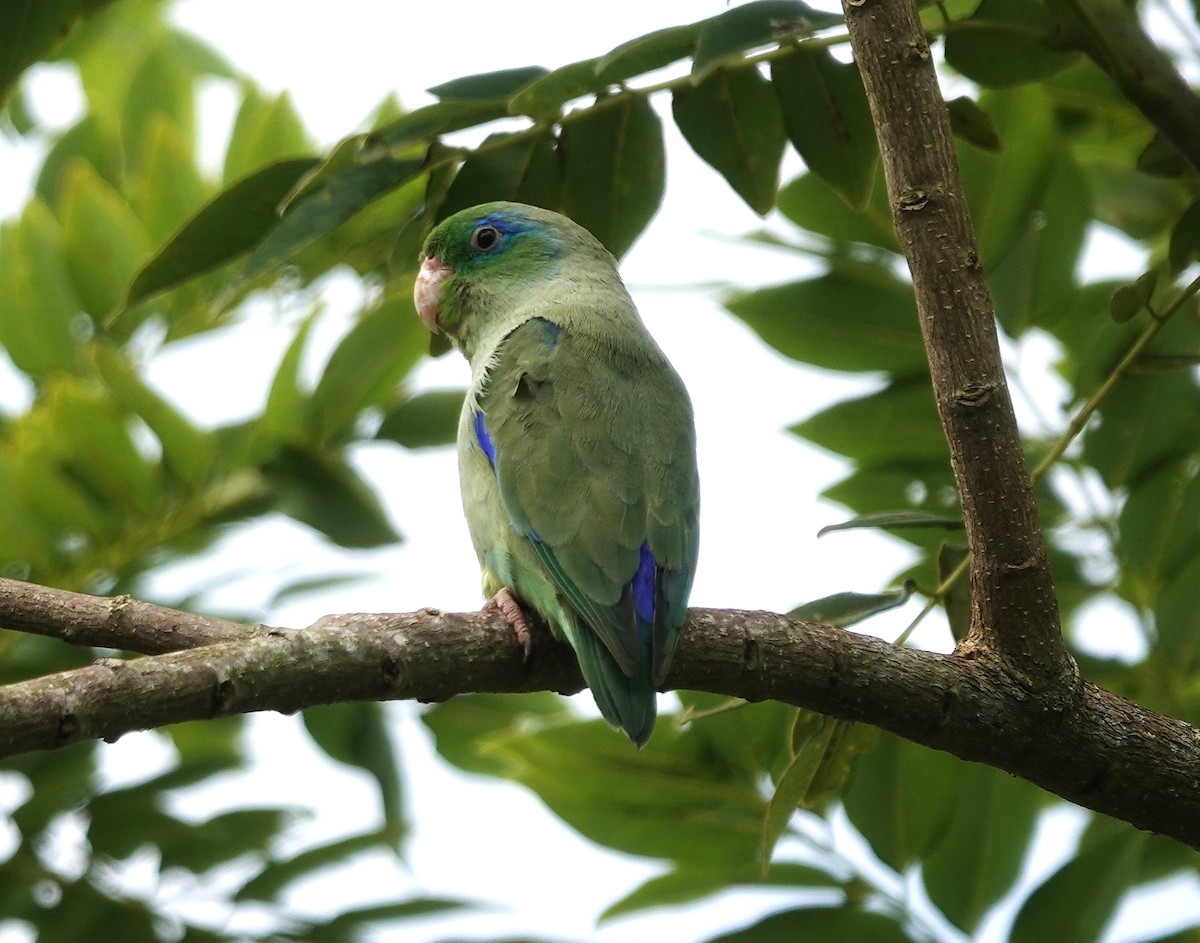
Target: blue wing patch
point(483, 440)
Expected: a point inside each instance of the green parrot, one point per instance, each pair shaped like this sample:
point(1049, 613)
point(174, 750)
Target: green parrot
point(576, 446)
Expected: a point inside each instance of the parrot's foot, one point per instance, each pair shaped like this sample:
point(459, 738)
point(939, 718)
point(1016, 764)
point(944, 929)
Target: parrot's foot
point(506, 604)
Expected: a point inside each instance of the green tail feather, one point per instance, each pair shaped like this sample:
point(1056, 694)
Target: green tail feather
point(625, 702)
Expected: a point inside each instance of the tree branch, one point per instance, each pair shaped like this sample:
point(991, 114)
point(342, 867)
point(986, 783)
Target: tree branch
point(1096, 749)
point(1014, 608)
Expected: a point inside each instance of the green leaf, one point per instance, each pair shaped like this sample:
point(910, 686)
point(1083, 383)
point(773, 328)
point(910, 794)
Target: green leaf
point(169, 185)
point(1160, 158)
point(187, 452)
point(287, 414)
point(820, 923)
point(36, 322)
point(267, 131)
point(346, 926)
point(846, 609)
point(613, 169)
point(666, 801)
point(502, 84)
point(1146, 421)
point(462, 725)
point(521, 167)
point(980, 857)
point(1006, 42)
point(367, 364)
point(1005, 190)
point(646, 53)
point(1079, 899)
point(1185, 239)
point(427, 419)
point(731, 119)
point(827, 118)
point(322, 491)
point(226, 227)
point(791, 789)
point(94, 138)
point(444, 117)
point(103, 240)
point(899, 422)
point(30, 29)
point(159, 88)
point(760, 23)
point(957, 599)
point(972, 124)
point(858, 317)
point(544, 98)
point(319, 213)
point(892, 519)
point(684, 884)
point(357, 734)
point(205, 845)
point(274, 879)
point(812, 204)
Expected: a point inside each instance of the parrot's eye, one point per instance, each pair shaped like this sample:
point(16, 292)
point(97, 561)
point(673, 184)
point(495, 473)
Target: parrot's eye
point(485, 238)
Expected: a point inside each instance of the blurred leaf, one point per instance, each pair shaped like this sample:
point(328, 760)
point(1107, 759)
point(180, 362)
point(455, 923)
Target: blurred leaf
point(427, 419)
point(663, 802)
point(1079, 899)
point(891, 519)
point(1185, 239)
point(758, 23)
point(366, 366)
point(266, 132)
point(972, 124)
point(277, 875)
point(322, 491)
point(820, 734)
point(1147, 420)
point(1006, 42)
point(104, 241)
point(223, 837)
point(827, 118)
point(356, 734)
point(187, 451)
point(819, 923)
point(226, 227)
point(684, 884)
point(95, 139)
point(957, 599)
point(856, 317)
point(462, 725)
point(846, 609)
point(899, 422)
point(502, 84)
point(287, 413)
point(345, 927)
point(36, 322)
point(613, 170)
point(30, 29)
point(169, 186)
point(811, 203)
point(731, 119)
point(1161, 159)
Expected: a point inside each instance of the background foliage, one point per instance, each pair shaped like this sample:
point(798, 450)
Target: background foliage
point(129, 247)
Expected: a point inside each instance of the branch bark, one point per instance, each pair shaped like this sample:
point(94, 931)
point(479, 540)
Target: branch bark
point(1014, 609)
point(1095, 749)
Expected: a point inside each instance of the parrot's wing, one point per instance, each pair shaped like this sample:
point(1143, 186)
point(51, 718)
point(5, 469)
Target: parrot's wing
point(593, 450)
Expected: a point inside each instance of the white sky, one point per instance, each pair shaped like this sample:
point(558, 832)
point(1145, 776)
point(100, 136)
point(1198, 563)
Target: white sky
point(760, 513)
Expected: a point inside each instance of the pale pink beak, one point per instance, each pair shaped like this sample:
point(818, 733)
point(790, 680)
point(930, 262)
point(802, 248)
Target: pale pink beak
point(427, 292)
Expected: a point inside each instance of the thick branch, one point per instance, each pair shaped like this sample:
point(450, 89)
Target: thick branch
point(1095, 749)
point(1014, 609)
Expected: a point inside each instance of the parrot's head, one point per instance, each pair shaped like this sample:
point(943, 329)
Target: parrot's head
point(487, 259)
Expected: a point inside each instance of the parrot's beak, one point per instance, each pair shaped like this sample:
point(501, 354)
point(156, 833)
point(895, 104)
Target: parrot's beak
point(427, 292)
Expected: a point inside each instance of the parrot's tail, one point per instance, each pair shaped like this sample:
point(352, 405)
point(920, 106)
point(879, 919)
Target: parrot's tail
point(626, 702)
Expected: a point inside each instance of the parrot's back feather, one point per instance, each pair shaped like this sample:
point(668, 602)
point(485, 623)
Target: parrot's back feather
point(576, 447)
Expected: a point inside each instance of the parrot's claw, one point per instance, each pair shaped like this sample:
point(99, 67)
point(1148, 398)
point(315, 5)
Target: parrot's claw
point(506, 604)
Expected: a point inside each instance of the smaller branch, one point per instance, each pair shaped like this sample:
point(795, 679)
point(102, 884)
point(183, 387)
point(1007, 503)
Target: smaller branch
point(118, 622)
